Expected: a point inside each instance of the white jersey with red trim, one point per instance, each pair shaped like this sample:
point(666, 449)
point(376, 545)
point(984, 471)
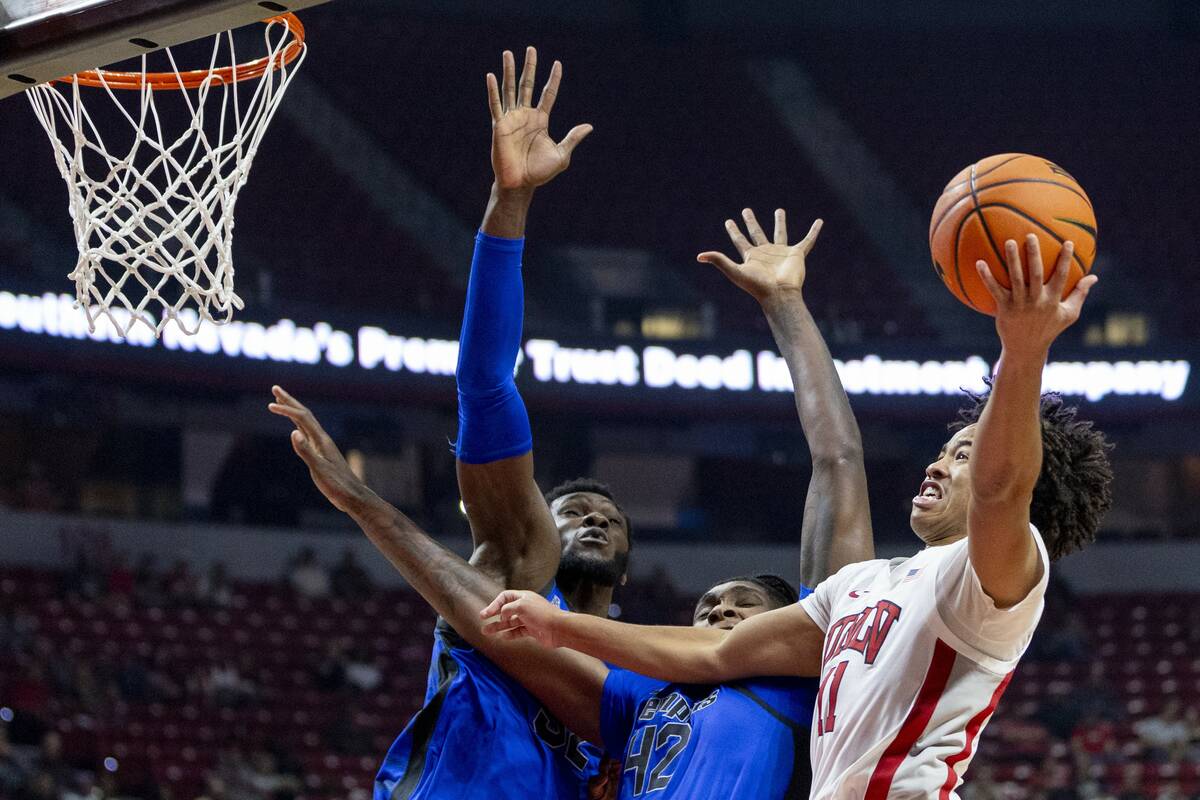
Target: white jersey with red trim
point(916, 658)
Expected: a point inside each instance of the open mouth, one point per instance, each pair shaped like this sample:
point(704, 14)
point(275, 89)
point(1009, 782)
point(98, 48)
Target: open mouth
point(930, 494)
point(593, 536)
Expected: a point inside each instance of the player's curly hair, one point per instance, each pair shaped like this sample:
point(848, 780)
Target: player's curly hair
point(777, 588)
point(591, 486)
point(1074, 490)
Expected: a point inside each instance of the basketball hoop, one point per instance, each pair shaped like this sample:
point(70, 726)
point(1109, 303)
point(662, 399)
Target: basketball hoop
point(154, 224)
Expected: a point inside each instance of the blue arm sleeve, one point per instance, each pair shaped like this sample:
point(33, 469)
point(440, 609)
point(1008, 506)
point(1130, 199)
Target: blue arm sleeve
point(492, 422)
point(804, 591)
point(624, 692)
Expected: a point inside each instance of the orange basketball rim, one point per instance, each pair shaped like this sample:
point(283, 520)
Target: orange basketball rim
point(194, 79)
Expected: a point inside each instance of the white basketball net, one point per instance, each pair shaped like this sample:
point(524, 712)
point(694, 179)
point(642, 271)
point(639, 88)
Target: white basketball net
point(154, 222)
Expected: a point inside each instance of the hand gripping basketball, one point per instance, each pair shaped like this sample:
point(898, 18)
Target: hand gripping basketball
point(1032, 314)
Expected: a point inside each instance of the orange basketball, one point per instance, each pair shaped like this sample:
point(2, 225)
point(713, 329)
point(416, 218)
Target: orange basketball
point(1008, 197)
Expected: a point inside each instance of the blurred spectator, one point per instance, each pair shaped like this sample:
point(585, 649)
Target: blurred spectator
point(50, 761)
point(85, 579)
point(83, 787)
point(362, 672)
point(133, 680)
point(214, 588)
point(225, 686)
point(1067, 641)
point(307, 577)
point(1056, 780)
point(30, 692)
point(1094, 697)
point(1132, 783)
point(330, 673)
point(344, 735)
point(40, 787)
point(350, 580)
point(1165, 735)
point(1094, 735)
point(983, 786)
point(12, 771)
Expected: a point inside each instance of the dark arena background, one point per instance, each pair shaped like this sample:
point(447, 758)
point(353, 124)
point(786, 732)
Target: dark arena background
point(182, 615)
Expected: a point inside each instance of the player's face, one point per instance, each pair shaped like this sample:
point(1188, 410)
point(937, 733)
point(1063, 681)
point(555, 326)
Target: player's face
point(591, 527)
point(727, 604)
point(939, 510)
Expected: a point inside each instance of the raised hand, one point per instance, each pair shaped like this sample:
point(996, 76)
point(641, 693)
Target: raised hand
point(329, 470)
point(768, 266)
point(522, 614)
point(523, 154)
point(1032, 314)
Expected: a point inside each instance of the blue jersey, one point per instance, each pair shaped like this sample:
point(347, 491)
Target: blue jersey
point(744, 740)
point(481, 736)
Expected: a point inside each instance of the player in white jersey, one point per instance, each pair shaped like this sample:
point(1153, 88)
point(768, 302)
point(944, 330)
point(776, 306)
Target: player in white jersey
point(914, 653)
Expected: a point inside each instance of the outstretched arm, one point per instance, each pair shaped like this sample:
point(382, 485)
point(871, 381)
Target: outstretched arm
point(569, 684)
point(516, 541)
point(783, 642)
point(1006, 455)
point(836, 530)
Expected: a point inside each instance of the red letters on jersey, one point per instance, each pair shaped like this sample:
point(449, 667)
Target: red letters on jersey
point(864, 631)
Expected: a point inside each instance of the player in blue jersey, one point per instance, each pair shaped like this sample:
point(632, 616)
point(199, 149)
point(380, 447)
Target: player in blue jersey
point(739, 740)
point(517, 539)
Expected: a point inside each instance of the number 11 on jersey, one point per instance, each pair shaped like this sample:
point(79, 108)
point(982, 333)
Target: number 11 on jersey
point(827, 696)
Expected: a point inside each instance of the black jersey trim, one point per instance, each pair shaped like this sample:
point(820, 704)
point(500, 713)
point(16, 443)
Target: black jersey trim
point(424, 724)
point(800, 782)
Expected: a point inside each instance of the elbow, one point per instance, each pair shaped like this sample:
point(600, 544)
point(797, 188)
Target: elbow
point(1003, 488)
point(715, 665)
point(846, 453)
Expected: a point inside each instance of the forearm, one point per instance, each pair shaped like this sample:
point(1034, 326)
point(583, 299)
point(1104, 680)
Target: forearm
point(836, 528)
point(1007, 451)
point(506, 212)
point(667, 652)
point(821, 402)
point(455, 589)
point(569, 684)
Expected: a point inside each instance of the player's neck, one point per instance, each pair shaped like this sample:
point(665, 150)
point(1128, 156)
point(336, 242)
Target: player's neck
point(587, 597)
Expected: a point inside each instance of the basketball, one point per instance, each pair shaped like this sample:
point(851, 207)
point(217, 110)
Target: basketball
point(1004, 197)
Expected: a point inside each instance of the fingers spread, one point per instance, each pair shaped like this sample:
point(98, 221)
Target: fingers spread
point(510, 80)
point(1037, 270)
point(550, 90)
point(756, 232)
point(527, 76)
point(1062, 270)
point(574, 137)
point(303, 446)
point(1016, 273)
point(494, 104)
point(735, 236)
point(811, 237)
point(995, 289)
point(780, 226)
point(720, 261)
point(1074, 302)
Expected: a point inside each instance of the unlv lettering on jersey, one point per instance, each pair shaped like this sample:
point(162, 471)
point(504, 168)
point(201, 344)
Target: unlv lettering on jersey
point(864, 631)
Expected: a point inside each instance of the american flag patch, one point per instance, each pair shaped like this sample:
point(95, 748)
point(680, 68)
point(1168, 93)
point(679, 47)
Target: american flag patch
point(912, 575)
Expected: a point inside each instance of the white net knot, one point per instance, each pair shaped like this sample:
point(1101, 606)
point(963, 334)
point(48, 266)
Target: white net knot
point(154, 224)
